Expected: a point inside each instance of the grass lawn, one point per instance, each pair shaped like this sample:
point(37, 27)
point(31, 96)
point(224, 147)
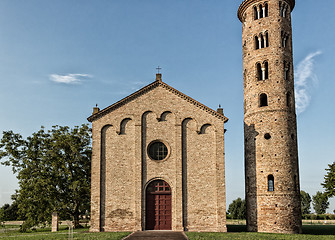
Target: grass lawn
point(239, 232)
point(234, 232)
point(62, 234)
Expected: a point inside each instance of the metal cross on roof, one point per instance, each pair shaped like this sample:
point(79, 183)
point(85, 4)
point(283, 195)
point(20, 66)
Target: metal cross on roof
point(158, 68)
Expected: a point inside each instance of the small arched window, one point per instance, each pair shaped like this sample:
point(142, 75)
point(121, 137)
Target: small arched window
point(266, 7)
point(260, 11)
point(286, 70)
point(259, 71)
point(263, 100)
point(262, 41)
point(255, 13)
point(284, 39)
point(283, 9)
point(271, 183)
point(256, 43)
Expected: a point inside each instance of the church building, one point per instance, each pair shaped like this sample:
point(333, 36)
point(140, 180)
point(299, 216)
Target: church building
point(158, 163)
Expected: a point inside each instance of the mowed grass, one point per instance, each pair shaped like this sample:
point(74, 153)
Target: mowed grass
point(239, 232)
point(234, 232)
point(46, 234)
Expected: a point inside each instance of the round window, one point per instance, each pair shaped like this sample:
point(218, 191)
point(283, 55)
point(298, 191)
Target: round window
point(157, 150)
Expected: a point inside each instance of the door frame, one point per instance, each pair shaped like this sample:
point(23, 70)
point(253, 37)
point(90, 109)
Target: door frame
point(144, 216)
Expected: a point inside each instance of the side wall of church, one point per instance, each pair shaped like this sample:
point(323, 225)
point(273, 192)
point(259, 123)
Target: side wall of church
point(121, 167)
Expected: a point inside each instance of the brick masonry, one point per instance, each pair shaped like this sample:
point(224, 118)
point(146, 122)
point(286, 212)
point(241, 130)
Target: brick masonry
point(270, 131)
point(194, 169)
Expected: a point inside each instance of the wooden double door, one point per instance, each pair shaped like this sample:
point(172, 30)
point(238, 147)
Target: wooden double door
point(158, 206)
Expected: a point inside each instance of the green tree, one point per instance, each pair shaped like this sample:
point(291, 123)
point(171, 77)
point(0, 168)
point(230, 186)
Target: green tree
point(320, 203)
point(305, 202)
point(237, 209)
point(53, 168)
point(9, 212)
point(329, 181)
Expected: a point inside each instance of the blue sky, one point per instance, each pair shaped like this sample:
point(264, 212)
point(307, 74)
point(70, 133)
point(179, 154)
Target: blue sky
point(59, 58)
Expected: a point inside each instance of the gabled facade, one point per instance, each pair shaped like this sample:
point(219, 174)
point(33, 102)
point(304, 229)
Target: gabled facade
point(158, 163)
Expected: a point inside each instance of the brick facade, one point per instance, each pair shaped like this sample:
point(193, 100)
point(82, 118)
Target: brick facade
point(122, 169)
point(270, 129)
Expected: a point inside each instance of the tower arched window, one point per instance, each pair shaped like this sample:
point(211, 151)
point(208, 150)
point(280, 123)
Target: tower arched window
point(263, 100)
point(256, 43)
point(284, 39)
point(266, 10)
point(262, 71)
point(260, 11)
point(255, 13)
point(262, 41)
point(271, 183)
point(286, 70)
point(283, 9)
point(259, 72)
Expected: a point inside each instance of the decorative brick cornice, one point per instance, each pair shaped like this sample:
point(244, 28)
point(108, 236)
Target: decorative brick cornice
point(148, 88)
point(246, 3)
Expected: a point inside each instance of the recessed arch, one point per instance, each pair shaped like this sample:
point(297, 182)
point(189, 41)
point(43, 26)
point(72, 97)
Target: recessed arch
point(123, 126)
point(103, 146)
point(164, 115)
point(204, 128)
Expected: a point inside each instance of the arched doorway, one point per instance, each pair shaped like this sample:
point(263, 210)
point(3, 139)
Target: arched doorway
point(158, 206)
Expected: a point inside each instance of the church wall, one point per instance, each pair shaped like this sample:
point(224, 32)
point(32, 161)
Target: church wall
point(129, 169)
point(119, 169)
point(201, 179)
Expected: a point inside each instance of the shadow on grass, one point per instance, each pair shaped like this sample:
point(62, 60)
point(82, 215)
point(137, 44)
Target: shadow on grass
point(306, 229)
point(318, 229)
point(236, 228)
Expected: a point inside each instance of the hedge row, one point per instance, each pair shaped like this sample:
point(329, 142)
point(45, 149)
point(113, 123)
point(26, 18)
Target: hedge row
point(318, 216)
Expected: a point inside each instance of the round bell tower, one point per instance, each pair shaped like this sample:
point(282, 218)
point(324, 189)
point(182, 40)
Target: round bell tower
point(270, 130)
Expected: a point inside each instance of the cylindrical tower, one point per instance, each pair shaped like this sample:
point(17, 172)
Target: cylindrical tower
point(270, 129)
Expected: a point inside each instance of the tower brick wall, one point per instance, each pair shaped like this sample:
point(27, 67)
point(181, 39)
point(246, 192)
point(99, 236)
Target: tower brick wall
point(270, 129)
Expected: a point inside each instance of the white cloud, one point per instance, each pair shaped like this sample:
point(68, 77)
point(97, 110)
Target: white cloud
point(305, 80)
point(72, 78)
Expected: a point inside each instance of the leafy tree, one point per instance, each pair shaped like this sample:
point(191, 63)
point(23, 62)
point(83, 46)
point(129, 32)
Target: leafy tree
point(237, 209)
point(9, 212)
point(305, 202)
point(320, 203)
point(53, 168)
point(329, 181)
